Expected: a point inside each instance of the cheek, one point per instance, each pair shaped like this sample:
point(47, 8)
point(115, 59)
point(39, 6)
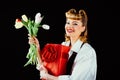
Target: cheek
point(79, 28)
point(65, 28)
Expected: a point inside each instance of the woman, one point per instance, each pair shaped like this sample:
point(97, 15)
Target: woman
point(84, 66)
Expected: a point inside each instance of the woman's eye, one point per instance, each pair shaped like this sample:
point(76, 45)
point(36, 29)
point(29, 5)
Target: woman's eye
point(75, 24)
point(67, 23)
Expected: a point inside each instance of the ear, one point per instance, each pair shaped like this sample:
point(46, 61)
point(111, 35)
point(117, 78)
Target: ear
point(83, 29)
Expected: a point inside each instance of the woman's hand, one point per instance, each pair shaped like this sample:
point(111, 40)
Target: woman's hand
point(43, 72)
point(44, 75)
point(33, 40)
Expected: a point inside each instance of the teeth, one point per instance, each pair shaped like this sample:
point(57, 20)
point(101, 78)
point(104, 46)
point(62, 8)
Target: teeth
point(69, 31)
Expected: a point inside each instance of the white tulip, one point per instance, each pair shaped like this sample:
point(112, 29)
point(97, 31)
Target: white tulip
point(45, 26)
point(38, 18)
point(24, 17)
point(18, 24)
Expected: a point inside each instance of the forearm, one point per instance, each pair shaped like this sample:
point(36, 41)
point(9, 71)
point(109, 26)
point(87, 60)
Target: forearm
point(38, 55)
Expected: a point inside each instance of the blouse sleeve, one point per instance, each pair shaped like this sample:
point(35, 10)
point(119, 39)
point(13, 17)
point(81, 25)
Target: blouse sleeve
point(65, 43)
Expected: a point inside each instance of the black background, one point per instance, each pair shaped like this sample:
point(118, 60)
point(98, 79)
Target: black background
point(103, 24)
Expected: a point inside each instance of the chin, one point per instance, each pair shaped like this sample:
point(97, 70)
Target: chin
point(69, 34)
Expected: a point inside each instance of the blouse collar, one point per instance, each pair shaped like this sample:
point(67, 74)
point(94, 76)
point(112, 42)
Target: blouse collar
point(76, 46)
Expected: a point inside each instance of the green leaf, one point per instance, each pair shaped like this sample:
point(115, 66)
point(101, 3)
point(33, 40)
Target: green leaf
point(37, 25)
point(32, 55)
point(35, 31)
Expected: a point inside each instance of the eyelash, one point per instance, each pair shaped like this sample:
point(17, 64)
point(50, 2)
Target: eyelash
point(67, 23)
point(75, 24)
point(72, 24)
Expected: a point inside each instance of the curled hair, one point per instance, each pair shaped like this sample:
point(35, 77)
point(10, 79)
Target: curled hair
point(80, 15)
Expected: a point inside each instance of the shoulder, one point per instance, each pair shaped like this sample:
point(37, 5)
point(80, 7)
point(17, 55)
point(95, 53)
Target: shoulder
point(87, 46)
point(88, 50)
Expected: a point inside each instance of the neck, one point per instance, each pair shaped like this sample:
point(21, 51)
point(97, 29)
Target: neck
point(73, 40)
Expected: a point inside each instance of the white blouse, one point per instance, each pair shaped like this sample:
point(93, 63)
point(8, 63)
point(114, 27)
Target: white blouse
point(85, 63)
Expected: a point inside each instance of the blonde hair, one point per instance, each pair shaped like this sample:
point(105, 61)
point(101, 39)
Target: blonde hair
point(80, 15)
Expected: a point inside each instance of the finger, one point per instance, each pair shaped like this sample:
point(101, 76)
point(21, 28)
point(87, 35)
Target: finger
point(29, 35)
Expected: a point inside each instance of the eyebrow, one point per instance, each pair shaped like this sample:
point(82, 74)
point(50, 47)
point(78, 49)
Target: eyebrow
point(75, 22)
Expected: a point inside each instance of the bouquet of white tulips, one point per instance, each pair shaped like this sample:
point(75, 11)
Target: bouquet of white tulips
point(32, 26)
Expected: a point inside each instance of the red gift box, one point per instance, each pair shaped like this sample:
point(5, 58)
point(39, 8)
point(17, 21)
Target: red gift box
point(55, 57)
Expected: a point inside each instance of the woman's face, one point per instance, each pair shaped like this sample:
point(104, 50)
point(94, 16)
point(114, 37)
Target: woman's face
point(73, 28)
